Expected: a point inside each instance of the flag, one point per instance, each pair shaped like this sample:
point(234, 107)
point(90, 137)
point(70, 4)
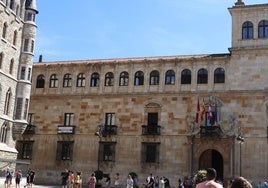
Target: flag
point(216, 114)
point(209, 112)
point(197, 112)
point(203, 110)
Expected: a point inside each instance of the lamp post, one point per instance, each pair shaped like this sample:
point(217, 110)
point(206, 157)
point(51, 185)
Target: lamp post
point(240, 140)
point(99, 133)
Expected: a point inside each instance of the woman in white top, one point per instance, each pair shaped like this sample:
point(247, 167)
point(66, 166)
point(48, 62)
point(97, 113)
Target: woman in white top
point(129, 182)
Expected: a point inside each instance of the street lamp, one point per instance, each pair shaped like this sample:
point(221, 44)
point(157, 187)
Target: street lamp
point(99, 133)
point(240, 140)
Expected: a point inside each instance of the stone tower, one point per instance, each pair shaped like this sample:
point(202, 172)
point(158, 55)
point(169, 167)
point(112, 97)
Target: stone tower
point(17, 32)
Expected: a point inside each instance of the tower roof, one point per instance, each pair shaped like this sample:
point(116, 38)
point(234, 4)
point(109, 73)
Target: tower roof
point(31, 4)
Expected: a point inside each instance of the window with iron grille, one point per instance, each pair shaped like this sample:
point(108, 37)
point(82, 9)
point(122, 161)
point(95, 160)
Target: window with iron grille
point(150, 152)
point(64, 150)
point(107, 151)
point(25, 149)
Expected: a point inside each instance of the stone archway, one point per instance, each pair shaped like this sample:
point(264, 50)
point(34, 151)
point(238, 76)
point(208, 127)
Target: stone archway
point(212, 158)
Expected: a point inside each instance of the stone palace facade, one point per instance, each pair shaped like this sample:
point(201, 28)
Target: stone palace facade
point(169, 115)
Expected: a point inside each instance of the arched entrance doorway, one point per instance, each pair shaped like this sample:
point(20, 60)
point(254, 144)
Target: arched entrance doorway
point(212, 158)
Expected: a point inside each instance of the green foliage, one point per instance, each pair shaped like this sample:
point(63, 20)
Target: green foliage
point(199, 177)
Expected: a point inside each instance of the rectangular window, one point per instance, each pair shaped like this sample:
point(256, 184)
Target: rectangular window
point(30, 119)
point(29, 16)
point(19, 108)
point(22, 73)
point(26, 45)
point(64, 150)
point(107, 151)
point(32, 46)
point(29, 74)
point(26, 108)
point(110, 119)
point(68, 119)
point(150, 152)
point(25, 149)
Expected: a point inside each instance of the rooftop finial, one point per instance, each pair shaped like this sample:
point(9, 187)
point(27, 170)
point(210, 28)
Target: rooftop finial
point(239, 3)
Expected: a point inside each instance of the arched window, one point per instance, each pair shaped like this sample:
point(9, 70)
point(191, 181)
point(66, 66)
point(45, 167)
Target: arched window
point(186, 76)
point(109, 79)
point(40, 81)
point(3, 133)
point(154, 77)
point(15, 37)
point(263, 29)
point(7, 102)
point(67, 80)
point(202, 76)
point(139, 78)
point(95, 80)
point(123, 79)
point(4, 33)
point(11, 66)
point(247, 30)
point(81, 80)
point(219, 76)
point(170, 77)
point(53, 81)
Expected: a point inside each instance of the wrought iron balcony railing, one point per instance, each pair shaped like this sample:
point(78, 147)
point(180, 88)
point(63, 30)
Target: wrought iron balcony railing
point(66, 129)
point(151, 129)
point(110, 129)
point(30, 129)
point(210, 131)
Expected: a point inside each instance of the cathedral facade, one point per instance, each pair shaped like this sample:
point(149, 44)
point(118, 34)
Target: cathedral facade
point(17, 33)
point(166, 115)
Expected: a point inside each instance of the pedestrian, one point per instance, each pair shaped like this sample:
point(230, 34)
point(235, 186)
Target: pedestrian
point(116, 180)
point(130, 182)
point(150, 181)
point(265, 184)
point(8, 180)
point(77, 180)
point(161, 182)
point(64, 178)
point(108, 181)
point(31, 178)
point(71, 179)
point(180, 184)
point(210, 180)
point(18, 176)
point(156, 182)
point(92, 181)
point(241, 182)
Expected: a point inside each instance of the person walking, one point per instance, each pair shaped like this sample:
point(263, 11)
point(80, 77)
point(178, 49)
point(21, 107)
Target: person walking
point(18, 176)
point(129, 182)
point(92, 181)
point(210, 182)
point(116, 180)
point(161, 182)
point(8, 180)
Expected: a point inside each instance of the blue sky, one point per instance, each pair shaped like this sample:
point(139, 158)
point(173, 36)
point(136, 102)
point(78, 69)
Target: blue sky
point(106, 29)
